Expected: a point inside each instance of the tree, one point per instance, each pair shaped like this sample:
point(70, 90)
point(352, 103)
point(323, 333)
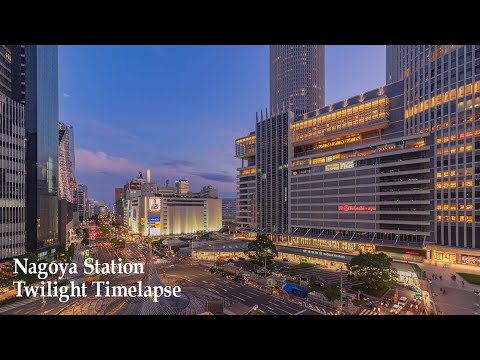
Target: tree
point(71, 251)
point(86, 238)
point(260, 249)
point(373, 271)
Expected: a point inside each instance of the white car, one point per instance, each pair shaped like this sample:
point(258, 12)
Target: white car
point(403, 301)
point(395, 309)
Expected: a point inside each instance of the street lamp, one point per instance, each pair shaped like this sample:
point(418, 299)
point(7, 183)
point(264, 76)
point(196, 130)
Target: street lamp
point(214, 255)
point(341, 289)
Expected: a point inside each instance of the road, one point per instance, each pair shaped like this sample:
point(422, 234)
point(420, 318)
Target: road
point(199, 275)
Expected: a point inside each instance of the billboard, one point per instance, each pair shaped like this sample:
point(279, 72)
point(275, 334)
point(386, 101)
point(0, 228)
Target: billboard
point(153, 218)
point(154, 204)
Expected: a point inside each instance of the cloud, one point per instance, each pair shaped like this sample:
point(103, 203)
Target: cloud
point(174, 163)
point(220, 177)
point(67, 95)
point(87, 161)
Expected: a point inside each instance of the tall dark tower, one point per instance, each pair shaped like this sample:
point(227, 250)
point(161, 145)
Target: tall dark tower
point(41, 118)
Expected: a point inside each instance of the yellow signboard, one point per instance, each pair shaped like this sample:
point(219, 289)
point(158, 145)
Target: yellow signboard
point(143, 221)
point(157, 225)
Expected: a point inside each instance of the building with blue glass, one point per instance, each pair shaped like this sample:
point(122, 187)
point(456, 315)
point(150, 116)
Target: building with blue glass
point(41, 123)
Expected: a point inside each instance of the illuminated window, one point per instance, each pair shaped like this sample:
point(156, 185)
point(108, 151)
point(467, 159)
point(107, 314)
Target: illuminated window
point(439, 217)
point(454, 218)
point(469, 218)
point(469, 207)
point(462, 218)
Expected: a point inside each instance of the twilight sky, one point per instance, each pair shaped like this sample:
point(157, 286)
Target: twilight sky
point(178, 109)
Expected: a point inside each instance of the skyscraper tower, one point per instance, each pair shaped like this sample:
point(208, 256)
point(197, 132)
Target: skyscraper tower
point(442, 98)
point(12, 154)
point(41, 123)
point(297, 78)
point(66, 163)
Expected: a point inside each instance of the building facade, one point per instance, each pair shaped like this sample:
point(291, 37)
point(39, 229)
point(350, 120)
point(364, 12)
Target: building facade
point(41, 122)
point(229, 209)
point(119, 202)
point(165, 213)
point(12, 178)
point(442, 99)
point(297, 78)
point(81, 204)
point(245, 149)
point(66, 163)
point(67, 188)
point(394, 169)
point(181, 186)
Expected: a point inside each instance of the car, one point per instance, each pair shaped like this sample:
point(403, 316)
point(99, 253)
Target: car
point(403, 301)
point(364, 297)
point(476, 292)
point(386, 302)
point(395, 309)
point(230, 260)
point(241, 258)
point(285, 259)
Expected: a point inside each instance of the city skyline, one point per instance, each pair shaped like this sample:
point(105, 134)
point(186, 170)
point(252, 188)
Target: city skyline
point(166, 82)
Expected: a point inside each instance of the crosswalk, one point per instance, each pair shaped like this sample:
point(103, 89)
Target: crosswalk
point(16, 304)
point(368, 312)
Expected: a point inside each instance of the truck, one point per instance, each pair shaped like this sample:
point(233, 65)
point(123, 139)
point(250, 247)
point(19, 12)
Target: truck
point(231, 269)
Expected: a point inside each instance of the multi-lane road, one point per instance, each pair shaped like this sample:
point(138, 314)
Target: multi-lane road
point(199, 276)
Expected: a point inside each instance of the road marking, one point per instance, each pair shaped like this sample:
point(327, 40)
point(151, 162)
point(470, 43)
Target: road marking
point(273, 312)
point(246, 295)
point(363, 311)
point(238, 297)
point(300, 312)
point(248, 292)
point(289, 313)
point(221, 288)
point(266, 306)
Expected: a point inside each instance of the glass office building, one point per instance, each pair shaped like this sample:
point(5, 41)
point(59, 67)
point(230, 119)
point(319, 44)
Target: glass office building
point(41, 115)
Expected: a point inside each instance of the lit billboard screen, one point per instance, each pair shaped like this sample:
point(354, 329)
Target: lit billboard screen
point(154, 219)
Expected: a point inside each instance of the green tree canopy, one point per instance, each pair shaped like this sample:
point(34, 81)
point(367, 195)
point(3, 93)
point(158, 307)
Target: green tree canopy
point(260, 247)
point(372, 270)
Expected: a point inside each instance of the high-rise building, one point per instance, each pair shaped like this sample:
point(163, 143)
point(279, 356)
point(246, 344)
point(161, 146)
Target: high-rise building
point(66, 163)
point(394, 170)
point(12, 157)
point(81, 205)
point(181, 186)
point(119, 201)
point(442, 99)
point(272, 172)
point(12, 72)
point(41, 122)
point(245, 149)
point(297, 78)
point(66, 184)
point(12, 154)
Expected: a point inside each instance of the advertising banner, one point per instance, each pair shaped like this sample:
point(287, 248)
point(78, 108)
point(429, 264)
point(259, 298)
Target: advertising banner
point(154, 204)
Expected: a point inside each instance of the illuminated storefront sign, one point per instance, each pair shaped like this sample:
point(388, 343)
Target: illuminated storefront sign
point(340, 166)
point(325, 254)
point(356, 208)
point(154, 204)
point(154, 219)
point(470, 260)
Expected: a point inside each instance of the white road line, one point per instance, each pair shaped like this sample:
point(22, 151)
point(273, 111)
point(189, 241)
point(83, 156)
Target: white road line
point(248, 292)
point(363, 311)
point(273, 312)
point(238, 297)
point(221, 288)
point(267, 306)
point(246, 295)
point(287, 312)
point(301, 312)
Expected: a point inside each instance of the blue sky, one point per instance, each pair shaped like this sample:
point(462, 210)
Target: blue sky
point(178, 109)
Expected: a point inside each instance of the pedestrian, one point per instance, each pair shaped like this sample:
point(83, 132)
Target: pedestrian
point(440, 277)
point(463, 283)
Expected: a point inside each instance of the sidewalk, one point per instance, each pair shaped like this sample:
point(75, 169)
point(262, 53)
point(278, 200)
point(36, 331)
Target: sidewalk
point(446, 274)
point(458, 299)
